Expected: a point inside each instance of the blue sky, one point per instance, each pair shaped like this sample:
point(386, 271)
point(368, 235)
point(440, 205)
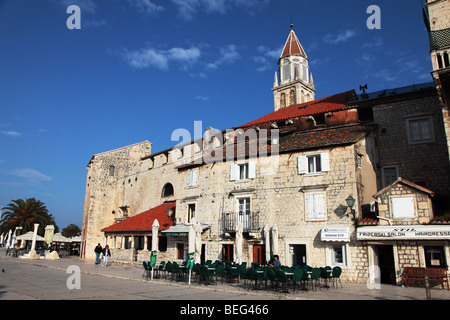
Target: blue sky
point(139, 69)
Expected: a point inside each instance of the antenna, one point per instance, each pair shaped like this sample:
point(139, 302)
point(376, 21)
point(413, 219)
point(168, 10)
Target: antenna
point(292, 25)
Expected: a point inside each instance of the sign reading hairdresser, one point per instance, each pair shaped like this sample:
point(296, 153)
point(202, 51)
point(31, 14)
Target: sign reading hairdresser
point(411, 232)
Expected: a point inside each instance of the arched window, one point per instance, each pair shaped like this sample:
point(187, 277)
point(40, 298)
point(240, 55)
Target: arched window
point(292, 99)
point(446, 61)
point(167, 190)
point(283, 100)
point(439, 60)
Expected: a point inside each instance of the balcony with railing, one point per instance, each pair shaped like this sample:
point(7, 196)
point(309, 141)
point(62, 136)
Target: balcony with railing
point(249, 219)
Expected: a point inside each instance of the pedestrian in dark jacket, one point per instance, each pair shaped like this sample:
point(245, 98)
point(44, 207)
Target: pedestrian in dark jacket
point(98, 250)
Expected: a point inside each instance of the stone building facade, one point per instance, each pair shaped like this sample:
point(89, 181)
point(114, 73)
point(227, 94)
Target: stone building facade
point(288, 188)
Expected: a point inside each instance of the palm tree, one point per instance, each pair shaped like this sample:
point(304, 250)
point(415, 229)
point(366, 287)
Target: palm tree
point(25, 213)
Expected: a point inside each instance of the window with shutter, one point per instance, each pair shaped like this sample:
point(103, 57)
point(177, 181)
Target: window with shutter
point(192, 178)
point(313, 163)
point(315, 206)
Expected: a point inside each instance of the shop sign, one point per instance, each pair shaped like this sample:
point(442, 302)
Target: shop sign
point(335, 234)
point(412, 232)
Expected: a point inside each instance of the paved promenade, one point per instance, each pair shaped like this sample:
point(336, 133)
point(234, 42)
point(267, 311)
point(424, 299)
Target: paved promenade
point(50, 280)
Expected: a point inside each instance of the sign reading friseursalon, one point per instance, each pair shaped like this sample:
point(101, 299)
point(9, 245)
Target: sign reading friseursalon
point(412, 232)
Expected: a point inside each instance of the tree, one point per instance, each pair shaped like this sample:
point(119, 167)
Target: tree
point(25, 213)
point(71, 230)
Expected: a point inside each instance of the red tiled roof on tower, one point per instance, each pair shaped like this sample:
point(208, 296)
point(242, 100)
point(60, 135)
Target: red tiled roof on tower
point(327, 104)
point(144, 220)
point(292, 46)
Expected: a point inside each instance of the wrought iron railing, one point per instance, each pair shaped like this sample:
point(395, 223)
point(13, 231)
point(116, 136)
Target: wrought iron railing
point(439, 38)
point(250, 221)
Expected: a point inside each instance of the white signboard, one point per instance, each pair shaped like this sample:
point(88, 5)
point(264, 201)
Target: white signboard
point(411, 232)
point(335, 234)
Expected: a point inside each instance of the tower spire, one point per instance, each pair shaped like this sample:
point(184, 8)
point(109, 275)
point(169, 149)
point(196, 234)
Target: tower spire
point(294, 85)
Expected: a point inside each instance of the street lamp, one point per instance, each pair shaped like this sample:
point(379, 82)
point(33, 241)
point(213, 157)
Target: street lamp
point(350, 203)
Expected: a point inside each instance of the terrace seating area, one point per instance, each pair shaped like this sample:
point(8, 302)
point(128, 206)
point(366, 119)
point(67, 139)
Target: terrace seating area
point(248, 277)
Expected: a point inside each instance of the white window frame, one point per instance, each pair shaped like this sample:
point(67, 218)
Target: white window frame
point(188, 212)
point(246, 217)
point(429, 120)
point(192, 178)
point(332, 251)
point(235, 170)
point(403, 207)
point(303, 166)
point(318, 210)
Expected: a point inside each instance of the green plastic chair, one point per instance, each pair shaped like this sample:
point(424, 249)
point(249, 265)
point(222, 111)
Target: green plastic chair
point(297, 278)
point(147, 270)
point(336, 275)
point(231, 273)
point(283, 279)
point(253, 275)
point(168, 269)
point(315, 277)
point(176, 272)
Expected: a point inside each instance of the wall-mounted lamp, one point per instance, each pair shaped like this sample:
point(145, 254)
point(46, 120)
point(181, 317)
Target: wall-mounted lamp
point(350, 203)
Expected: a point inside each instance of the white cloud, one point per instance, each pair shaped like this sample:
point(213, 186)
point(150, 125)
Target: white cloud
point(150, 57)
point(228, 55)
point(340, 37)
point(30, 174)
point(12, 133)
point(267, 58)
point(202, 98)
point(146, 7)
point(85, 5)
point(187, 9)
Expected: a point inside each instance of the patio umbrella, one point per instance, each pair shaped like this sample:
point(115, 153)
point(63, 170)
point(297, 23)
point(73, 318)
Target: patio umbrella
point(274, 239)
point(29, 236)
point(8, 239)
point(191, 244)
point(198, 242)
point(267, 242)
point(58, 237)
point(238, 245)
point(155, 228)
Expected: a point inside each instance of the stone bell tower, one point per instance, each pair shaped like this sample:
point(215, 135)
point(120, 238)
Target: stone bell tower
point(293, 84)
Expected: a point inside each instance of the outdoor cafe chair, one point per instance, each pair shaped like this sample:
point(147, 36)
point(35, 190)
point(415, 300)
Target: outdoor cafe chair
point(336, 275)
point(168, 269)
point(314, 278)
point(325, 274)
point(176, 272)
point(147, 269)
point(230, 271)
point(253, 275)
point(283, 279)
point(297, 278)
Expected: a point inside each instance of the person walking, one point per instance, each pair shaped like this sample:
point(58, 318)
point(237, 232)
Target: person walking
point(106, 253)
point(98, 250)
